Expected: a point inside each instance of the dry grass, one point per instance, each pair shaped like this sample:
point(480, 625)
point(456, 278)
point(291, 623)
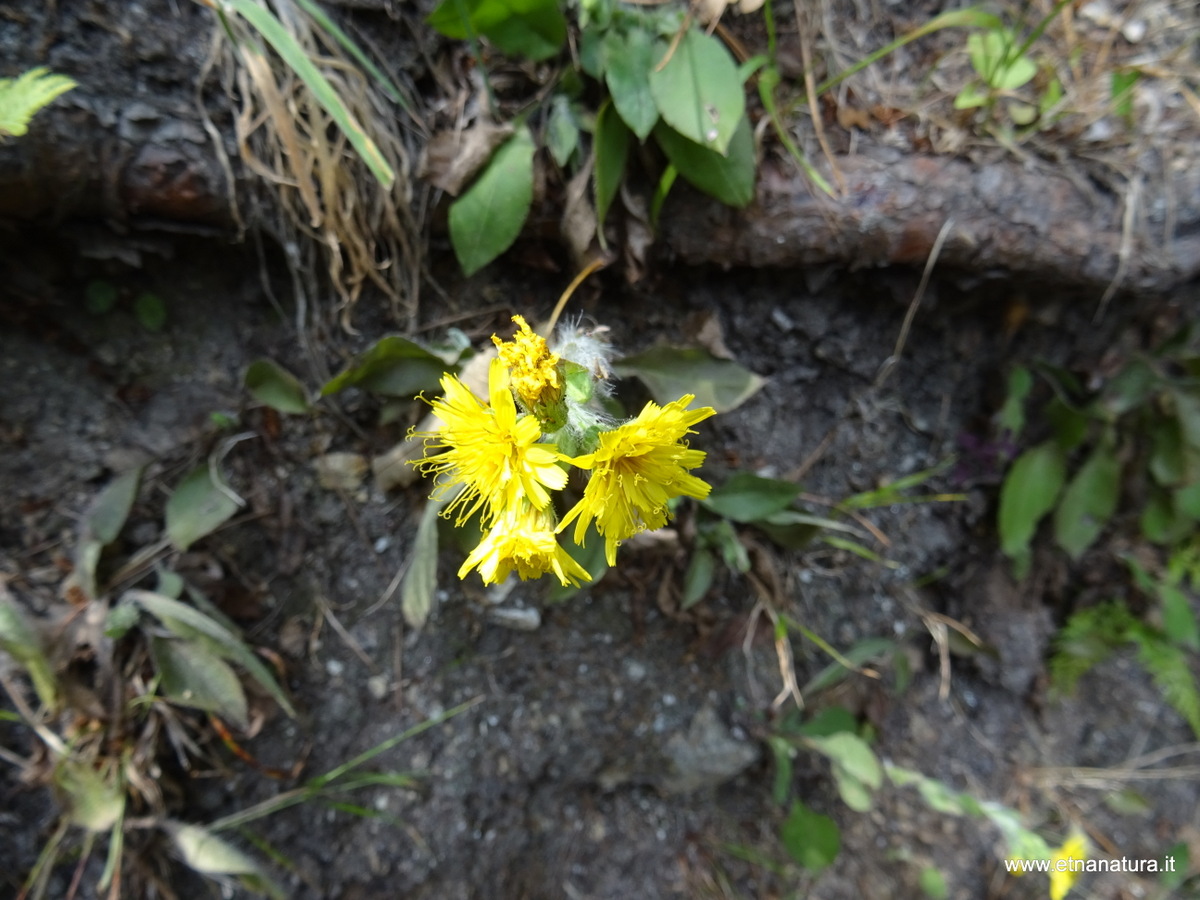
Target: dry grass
point(319, 199)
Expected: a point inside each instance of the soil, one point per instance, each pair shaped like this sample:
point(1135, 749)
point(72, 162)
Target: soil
point(617, 749)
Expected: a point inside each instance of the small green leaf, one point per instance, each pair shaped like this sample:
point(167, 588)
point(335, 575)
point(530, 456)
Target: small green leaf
point(933, 883)
point(1130, 388)
point(781, 753)
point(394, 366)
point(629, 58)
point(699, 577)
point(119, 620)
point(728, 178)
point(418, 592)
point(1012, 414)
point(1187, 408)
point(206, 853)
point(971, 96)
point(101, 296)
point(746, 497)
point(197, 507)
point(831, 720)
point(274, 386)
point(20, 640)
point(1088, 502)
point(1121, 91)
point(534, 29)
point(1161, 522)
point(487, 218)
point(93, 802)
point(150, 310)
point(698, 92)
point(110, 510)
point(562, 131)
point(856, 771)
point(1168, 456)
point(21, 97)
point(611, 149)
point(811, 839)
point(188, 622)
point(1179, 620)
point(671, 372)
point(1030, 491)
point(193, 676)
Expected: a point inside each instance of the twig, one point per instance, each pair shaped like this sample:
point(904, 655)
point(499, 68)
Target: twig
point(890, 363)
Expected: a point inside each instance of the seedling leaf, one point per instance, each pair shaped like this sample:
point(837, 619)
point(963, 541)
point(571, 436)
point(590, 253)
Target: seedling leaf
point(812, 839)
point(1088, 502)
point(110, 509)
point(670, 372)
point(698, 92)
point(1030, 490)
point(197, 507)
point(487, 218)
point(629, 58)
point(419, 590)
point(746, 497)
point(729, 177)
point(274, 386)
point(193, 676)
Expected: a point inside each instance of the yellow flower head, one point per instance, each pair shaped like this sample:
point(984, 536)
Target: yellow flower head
point(523, 539)
point(1062, 875)
point(636, 469)
point(492, 452)
point(535, 376)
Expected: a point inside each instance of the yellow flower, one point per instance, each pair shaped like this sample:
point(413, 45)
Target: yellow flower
point(636, 469)
point(493, 452)
point(535, 376)
point(523, 538)
point(1074, 848)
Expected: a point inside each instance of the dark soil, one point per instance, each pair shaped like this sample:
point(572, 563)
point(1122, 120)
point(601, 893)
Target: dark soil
point(571, 775)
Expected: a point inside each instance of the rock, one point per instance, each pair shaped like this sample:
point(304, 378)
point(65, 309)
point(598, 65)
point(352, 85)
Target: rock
point(708, 755)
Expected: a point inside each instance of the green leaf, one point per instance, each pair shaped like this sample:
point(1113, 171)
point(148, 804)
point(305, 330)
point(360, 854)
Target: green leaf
point(1179, 621)
point(698, 92)
point(419, 589)
point(746, 497)
point(1169, 667)
point(331, 27)
point(971, 96)
point(301, 62)
point(1029, 492)
point(21, 97)
point(1130, 388)
point(193, 676)
point(671, 372)
point(1012, 414)
point(1187, 408)
point(933, 883)
point(197, 507)
point(811, 839)
point(611, 149)
point(110, 510)
point(535, 29)
point(1168, 460)
point(93, 802)
point(1121, 91)
point(274, 386)
point(1161, 522)
point(101, 296)
point(728, 178)
point(831, 720)
point(781, 753)
point(1088, 502)
point(861, 653)
point(562, 131)
point(699, 577)
point(119, 620)
point(20, 640)
point(187, 622)
point(487, 218)
point(1070, 426)
point(395, 367)
point(856, 771)
point(629, 58)
point(206, 853)
point(150, 311)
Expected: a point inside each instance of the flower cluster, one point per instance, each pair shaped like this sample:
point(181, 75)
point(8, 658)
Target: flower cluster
point(505, 459)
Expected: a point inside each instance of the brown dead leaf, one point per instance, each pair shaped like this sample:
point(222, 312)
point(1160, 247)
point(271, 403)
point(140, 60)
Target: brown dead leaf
point(579, 217)
point(852, 117)
point(887, 115)
point(709, 11)
point(704, 329)
point(452, 158)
